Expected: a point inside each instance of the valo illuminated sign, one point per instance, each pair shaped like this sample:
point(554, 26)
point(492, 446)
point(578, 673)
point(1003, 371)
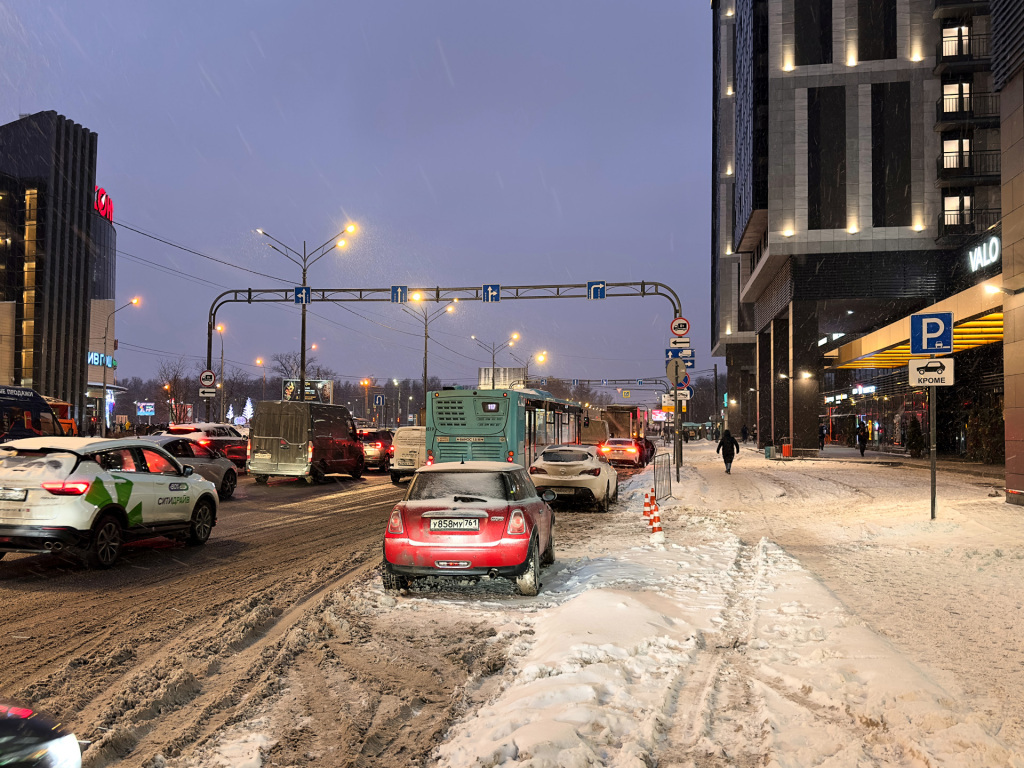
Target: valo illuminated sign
point(985, 254)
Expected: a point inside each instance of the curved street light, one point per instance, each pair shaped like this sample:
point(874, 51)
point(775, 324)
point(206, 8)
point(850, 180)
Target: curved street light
point(427, 317)
point(494, 348)
point(106, 333)
point(540, 357)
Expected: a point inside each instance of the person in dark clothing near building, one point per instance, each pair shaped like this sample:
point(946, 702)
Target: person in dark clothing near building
point(728, 447)
point(744, 433)
point(822, 433)
point(862, 437)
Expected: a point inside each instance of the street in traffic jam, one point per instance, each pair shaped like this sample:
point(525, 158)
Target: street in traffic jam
point(441, 391)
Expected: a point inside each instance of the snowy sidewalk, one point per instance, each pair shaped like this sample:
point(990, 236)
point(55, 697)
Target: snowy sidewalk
point(835, 452)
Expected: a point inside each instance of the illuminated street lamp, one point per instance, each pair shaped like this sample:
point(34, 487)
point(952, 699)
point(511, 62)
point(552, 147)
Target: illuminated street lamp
point(259, 362)
point(495, 348)
point(422, 313)
point(305, 260)
point(106, 333)
point(223, 389)
point(540, 357)
point(365, 383)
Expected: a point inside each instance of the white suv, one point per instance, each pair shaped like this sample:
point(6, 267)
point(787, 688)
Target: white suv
point(89, 496)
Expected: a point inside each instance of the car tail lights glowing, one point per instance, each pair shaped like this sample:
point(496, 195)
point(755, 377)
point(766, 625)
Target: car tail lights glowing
point(538, 471)
point(511, 456)
point(309, 452)
point(19, 712)
point(204, 443)
point(67, 488)
point(378, 445)
point(516, 523)
point(395, 523)
point(631, 450)
point(430, 458)
point(605, 449)
point(248, 450)
point(596, 472)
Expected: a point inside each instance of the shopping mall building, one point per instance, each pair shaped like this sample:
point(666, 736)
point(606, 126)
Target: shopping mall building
point(57, 264)
point(868, 166)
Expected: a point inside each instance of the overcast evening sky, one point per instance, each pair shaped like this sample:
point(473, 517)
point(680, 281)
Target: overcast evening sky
point(473, 141)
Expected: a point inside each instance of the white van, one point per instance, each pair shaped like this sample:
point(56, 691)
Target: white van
point(410, 452)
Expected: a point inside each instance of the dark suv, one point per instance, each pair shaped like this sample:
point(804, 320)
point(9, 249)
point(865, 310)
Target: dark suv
point(377, 448)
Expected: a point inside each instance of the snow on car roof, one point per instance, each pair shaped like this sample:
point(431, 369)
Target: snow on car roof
point(471, 466)
point(73, 444)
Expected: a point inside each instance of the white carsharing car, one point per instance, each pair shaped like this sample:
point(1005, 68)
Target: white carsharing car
point(88, 496)
point(576, 473)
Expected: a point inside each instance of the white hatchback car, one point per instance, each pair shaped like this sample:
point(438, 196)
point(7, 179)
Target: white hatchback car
point(576, 473)
point(88, 496)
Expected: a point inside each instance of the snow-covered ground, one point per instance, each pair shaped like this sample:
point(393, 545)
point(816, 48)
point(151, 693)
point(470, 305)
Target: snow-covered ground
point(797, 614)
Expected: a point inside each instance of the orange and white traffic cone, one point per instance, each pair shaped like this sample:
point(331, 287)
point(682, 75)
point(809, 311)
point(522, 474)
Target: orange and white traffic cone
point(647, 508)
point(656, 520)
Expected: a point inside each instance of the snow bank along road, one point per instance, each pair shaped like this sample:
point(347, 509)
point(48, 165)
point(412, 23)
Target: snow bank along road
point(799, 614)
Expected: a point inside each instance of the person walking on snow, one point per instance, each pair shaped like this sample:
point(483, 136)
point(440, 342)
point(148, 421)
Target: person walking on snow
point(728, 447)
point(862, 437)
point(744, 433)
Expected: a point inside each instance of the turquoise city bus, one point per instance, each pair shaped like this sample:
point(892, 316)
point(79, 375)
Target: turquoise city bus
point(498, 424)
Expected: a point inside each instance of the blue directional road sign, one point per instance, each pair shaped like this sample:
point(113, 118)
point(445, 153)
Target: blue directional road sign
point(639, 382)
point(931, 333)
point(399, 294)
point(378, 399)
point(690, 363)
point(595, 289)
point(303, 294)
point(543, 382)
point(675, 354)
point(575, 382)
point(491, 293)
point(604, 381)
point(684, 352)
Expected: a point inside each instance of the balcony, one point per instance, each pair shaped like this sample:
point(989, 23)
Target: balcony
point(950, 9)
point(960, 225)
point(970, 53)
point(968, 169)
point(977, 110)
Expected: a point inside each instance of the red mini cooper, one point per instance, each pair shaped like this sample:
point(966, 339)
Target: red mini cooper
point(471, 519)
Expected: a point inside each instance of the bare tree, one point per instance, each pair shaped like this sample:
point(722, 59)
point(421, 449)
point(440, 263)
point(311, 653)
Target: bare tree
point(177, 386)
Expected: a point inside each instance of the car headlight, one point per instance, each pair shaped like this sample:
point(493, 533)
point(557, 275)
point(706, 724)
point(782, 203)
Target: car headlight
point(64, 753)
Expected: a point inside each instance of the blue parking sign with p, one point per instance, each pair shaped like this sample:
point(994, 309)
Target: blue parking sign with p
point(931, 333)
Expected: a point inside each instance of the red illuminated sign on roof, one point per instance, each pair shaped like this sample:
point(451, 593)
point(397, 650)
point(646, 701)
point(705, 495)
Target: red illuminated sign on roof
point(103, 204)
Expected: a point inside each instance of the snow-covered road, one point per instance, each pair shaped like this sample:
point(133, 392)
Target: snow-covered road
point(798, 614)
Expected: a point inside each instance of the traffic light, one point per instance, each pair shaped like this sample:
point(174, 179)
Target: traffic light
point(586, 420)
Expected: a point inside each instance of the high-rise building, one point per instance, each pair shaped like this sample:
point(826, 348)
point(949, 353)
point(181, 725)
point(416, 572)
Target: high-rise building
point(47, 211)
point(856, 161)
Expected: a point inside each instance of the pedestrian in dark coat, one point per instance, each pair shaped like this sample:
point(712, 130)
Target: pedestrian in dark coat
point(728, 447)
point(745, 433)
point(862, 437)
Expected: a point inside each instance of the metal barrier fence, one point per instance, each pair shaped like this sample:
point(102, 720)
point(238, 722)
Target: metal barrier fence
point(662, 476)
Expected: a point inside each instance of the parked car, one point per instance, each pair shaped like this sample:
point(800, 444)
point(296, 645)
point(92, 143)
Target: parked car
point(30, 739)
point(472, 519)
point(623, 450)
point(408, 452)
point(25, 413)
point(89, 496)
point(224, 438)
point(377, 448)
point(307, 440)
point(207, 462)
point(576, 473)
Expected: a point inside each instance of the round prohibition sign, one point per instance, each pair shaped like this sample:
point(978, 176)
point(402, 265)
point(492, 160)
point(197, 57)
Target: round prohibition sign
point(680, 326)
point(207, 378)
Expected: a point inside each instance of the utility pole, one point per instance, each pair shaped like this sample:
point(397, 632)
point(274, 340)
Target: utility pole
point(716, 396)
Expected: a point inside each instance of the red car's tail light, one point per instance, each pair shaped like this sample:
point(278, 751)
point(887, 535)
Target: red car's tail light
point(391, 449)
point(248, 450)
point(430, 458)
point(631, 450)
point(19, 712)
point(395, 523)
point(605, 449)
point(596, 472)
point(511, 456)
point(204, 442)
point(538, 471)
point(66, 488)
point(379, 445)
point(516, 523)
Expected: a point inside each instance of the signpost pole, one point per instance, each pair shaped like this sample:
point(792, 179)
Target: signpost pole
point(932, 418)
point(679, 422)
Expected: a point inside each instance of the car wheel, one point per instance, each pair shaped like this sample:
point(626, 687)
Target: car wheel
point(358, 471)
point(528, 582)
point(396, 478)
point(202, 522)
point(260, 479)
point(393, 581)
point(105, 545)
point(549, 552)
point(227, 485)
point(603, 504)
point(386, 465)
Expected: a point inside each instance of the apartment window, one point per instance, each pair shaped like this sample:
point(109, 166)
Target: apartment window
point(956, 97)
point(956, 41)
point(813, 26)
point(876, 29)
point(890, 154)
point(826, 158)
point(956, 153)
point(956, 210)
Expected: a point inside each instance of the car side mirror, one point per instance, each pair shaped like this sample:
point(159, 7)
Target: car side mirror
point(188, 470)
point(548, 496)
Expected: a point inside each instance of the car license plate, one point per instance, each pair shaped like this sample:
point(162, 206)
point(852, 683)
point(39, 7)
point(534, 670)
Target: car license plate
point(405, 462)
point(13, 494)
point(455, 524)
point(262, 455)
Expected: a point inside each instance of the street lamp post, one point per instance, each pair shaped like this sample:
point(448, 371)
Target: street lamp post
point(259, 362)
point(305, 260)
point(495, 348)
point(106, 334)
point(540, 357)
point(427, 317)
point(223, 389)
